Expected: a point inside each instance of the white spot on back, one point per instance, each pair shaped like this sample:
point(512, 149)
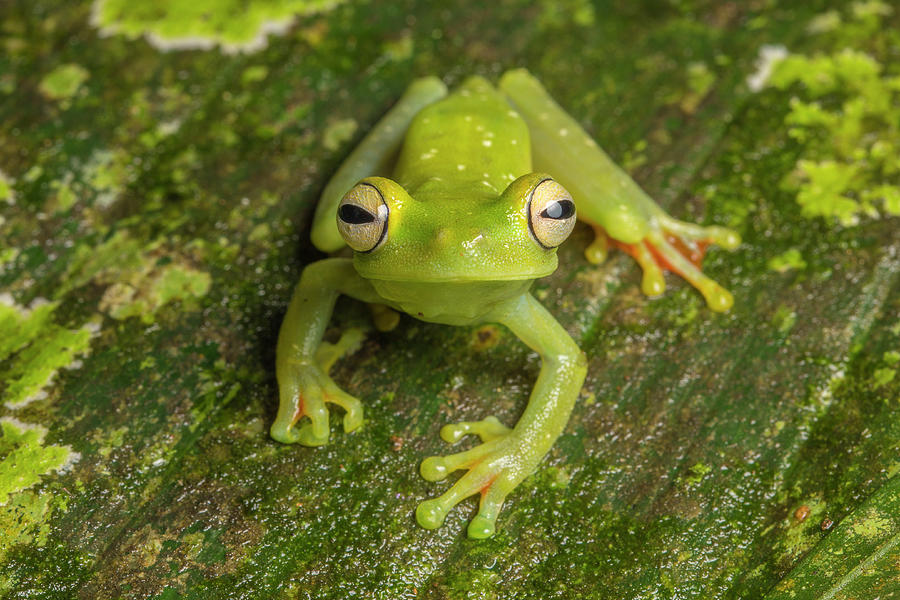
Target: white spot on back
point(460, 167)
point(486, 142)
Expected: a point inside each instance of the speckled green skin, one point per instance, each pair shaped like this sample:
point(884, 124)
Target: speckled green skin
point(197, 162)
point(458, 249)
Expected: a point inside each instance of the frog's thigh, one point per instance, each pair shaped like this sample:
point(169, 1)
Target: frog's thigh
point(604, 194)
point(372, 156)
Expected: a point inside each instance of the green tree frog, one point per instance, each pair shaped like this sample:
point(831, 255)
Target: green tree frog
point(484, 184)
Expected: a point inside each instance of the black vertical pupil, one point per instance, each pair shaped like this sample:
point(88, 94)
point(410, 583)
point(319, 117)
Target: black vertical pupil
point(559, 210)
point(355, 215)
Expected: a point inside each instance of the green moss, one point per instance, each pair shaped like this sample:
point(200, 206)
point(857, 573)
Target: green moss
point(846, 116)
point(35, 366)
point(254, 74)
point(338, 132)
point(697, 472)
point(891, 358)
point(40, 349)
point(399, 49)
point(63, 82)
point(234, 25)
point(24, 460)
point(883, 377)
point(791, 259)
point(480, 584)
point(784, 319)
point(561, 14)
point(19, 326)
point(700, 80)
point(23, 520)
point(6, 191)
point(140, 280)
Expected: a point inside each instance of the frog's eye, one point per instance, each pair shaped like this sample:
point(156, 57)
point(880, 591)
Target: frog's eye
point(551, 214)
point(362, 218)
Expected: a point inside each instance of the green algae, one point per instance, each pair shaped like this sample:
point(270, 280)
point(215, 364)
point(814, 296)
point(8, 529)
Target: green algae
point(24, 520)
point(63, 82)
point(700, 80)
point(233, 25)
point(147, 291)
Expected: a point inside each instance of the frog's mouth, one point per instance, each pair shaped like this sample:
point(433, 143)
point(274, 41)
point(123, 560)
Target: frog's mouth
point(427, 275)
point(410, 267)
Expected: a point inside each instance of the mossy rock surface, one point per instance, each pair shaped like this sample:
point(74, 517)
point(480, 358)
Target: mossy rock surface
point(159, 166)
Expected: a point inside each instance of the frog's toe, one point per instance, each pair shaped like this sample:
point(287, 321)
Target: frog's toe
point(597, 251)
point(653, 282)
point(327, 354)
point(308, 435)
point(485, 522)
point(491, 479)
point(353, 410)
point(430, 514)
point(481, 527)
point(436, 468)
point(486, 429)
point(704, 234)
point(286, 434)
point(313, 432)
point(717, 298)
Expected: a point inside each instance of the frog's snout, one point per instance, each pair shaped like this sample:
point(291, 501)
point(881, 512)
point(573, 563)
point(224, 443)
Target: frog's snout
point(474, 239)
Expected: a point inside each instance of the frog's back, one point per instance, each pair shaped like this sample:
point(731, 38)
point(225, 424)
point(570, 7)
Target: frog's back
point(470, 140)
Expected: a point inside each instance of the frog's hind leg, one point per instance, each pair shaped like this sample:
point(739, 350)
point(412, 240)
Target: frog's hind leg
point(607, 198)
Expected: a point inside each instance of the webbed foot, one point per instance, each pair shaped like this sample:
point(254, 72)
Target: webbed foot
point(676, 246)
point(304, 389)
point(495, 468)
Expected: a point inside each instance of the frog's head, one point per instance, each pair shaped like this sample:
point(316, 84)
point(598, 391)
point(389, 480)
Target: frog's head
point(458, 235)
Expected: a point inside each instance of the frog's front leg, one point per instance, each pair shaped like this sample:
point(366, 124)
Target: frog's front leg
point(620, 212)
point(507, 456)
point(303, 360)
